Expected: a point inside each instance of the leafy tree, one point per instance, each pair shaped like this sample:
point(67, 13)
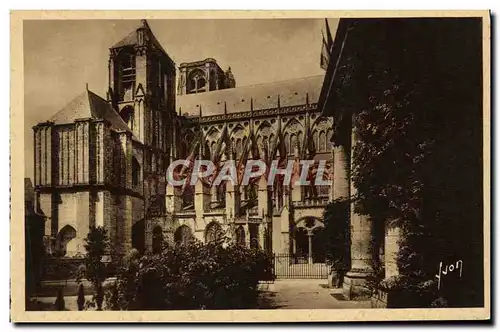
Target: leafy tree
point(97, 243)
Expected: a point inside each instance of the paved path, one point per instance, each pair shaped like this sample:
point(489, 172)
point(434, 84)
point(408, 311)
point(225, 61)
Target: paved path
point(304, 294)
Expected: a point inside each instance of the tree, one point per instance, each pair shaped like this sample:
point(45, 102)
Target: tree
point(97, 243)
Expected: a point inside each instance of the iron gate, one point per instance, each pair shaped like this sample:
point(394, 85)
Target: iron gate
point(294, 266)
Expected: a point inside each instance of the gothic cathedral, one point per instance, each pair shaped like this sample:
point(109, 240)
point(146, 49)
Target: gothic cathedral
point(103, 161)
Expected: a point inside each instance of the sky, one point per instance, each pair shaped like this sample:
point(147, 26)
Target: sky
point(62, 56)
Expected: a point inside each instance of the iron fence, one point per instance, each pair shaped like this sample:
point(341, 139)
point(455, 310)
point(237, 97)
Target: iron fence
point(296, 266)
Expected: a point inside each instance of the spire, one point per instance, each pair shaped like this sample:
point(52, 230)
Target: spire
point(279, 101)
point(87, 86)
point(225, 108)
point(145, 24)
point(231, 83)
point(307, 98)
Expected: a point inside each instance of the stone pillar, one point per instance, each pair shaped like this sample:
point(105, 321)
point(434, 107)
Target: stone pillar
point(126, 203)
point(213, 193)
point(340, 166)
point(232, 200)
point(201, 199)
point(173, 199)
point(296, 193)
point(262, 197)
point(361, 232)
point(391, 250)
point(262, 234)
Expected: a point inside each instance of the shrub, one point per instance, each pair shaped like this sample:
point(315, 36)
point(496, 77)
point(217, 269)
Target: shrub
point(192, 276)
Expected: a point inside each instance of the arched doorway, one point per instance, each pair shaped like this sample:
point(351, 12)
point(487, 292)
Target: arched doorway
point(64, 239)
point(253, 229)
point(214, 233)
point(183, 235)
point(138, 236)
point(301, 246)
point(318, 245)
point(307, 240)
point(157, 239)
point(240, 236)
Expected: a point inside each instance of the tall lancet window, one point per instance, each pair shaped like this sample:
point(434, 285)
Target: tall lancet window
point(127, 76)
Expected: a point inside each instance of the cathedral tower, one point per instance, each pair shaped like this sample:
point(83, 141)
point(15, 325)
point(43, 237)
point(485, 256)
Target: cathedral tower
point(142, 86)
point(204, 76)
point(142, 91)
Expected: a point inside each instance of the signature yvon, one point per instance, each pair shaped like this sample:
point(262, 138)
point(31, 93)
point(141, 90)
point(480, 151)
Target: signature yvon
point(451, 268)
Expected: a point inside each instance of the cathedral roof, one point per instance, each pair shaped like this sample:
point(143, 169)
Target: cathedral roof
point(89, 105)
point(261, 96)
point(131, 38)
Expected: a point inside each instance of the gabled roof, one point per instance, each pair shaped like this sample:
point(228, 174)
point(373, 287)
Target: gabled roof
point(89, 105)
point(129, 40)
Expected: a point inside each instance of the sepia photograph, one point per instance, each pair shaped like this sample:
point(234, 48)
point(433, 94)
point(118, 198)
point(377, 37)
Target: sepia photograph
point(242, 166)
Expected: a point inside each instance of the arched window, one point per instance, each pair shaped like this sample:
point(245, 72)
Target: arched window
point(191, 84)
point(183, 235)
point(212, 148)
point(239, 147)
point(196, 81)
point(188, 198)
point(322, 141)
point(213, 81)
point(214, 233)
point(136, 170)
point(293, 143)
point(240, 236)
point(253, 229)
point(127, 114)
point(308, 241)
point(138, 235)
point(201, 84)
point(300, 139)
point(64, 238)
point(315, 139)
point(287, 143)
point(329, 139)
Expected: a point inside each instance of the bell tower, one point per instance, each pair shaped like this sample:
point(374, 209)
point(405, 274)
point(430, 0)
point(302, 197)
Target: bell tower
point(142, 86)
point(142, 91)
point(204, 76)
